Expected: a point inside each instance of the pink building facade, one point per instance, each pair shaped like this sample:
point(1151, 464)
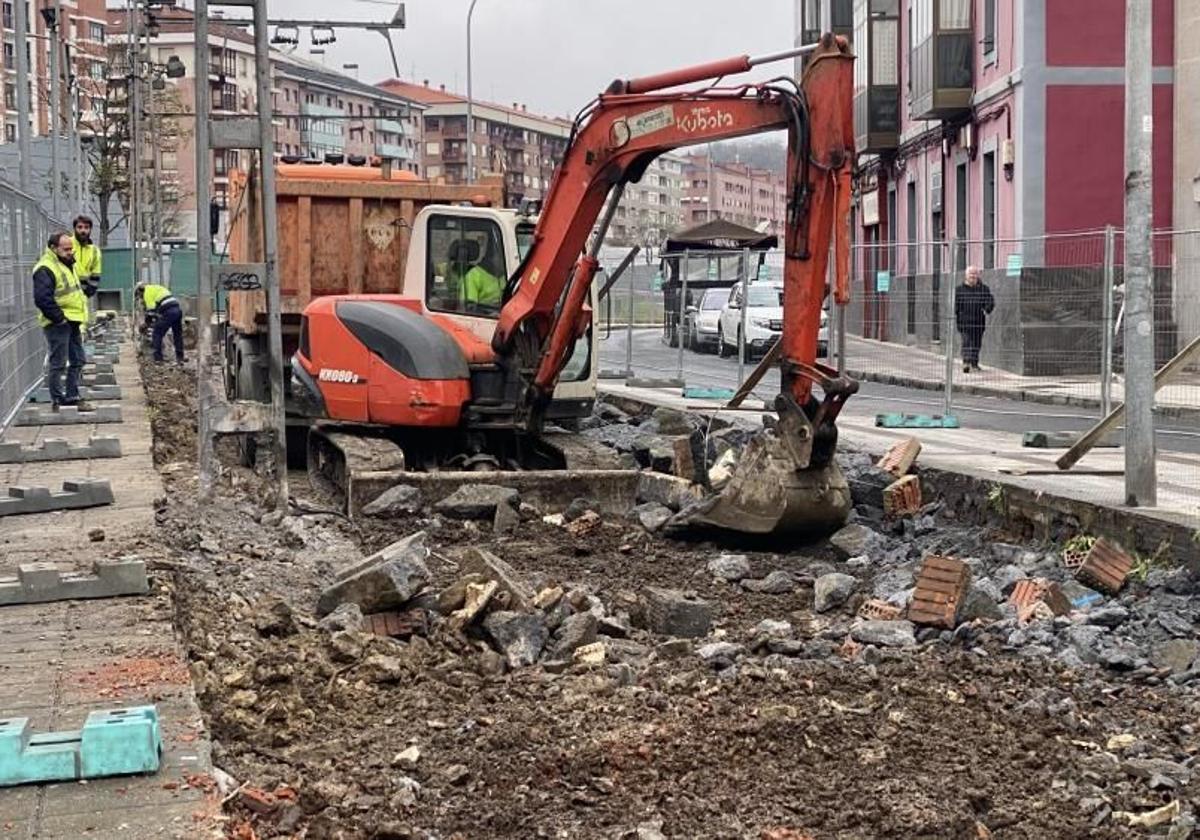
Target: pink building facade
point(993, 122)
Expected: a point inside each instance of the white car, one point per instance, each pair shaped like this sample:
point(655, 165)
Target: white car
point(764, 321)
point(703, 318)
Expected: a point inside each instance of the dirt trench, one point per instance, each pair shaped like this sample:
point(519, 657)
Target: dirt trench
point(933, 741)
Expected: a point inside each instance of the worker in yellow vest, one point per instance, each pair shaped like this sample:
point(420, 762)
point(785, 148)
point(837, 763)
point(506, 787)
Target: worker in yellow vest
point(168, 315)
point(87, 254)
point(62, 312)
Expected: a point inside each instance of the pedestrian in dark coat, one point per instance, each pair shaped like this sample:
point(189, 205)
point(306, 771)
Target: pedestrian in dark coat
point(973, 302)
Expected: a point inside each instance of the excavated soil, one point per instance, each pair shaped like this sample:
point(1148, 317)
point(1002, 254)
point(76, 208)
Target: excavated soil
point(929, 742)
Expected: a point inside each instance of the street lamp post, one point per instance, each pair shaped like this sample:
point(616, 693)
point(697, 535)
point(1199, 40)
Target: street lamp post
point(470, 99)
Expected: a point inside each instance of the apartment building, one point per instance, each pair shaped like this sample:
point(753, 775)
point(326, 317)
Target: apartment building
point(988, 121)
point(522, 146)
point(751, 197)
point(651, 209)
point(83, 30)
point(320, 112)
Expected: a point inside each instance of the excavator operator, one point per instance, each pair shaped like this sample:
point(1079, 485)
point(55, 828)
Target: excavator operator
point(481, 287)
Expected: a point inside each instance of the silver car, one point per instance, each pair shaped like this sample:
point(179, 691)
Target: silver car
point(703, 319)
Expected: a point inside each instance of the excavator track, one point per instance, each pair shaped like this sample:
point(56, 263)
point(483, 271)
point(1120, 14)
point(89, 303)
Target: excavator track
point(335, 457)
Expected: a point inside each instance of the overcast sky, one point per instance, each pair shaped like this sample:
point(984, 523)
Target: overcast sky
point(551, 55)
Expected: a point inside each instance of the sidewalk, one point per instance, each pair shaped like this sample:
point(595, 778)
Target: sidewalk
point(914, 367)
point(61, 660)
point(985, 454)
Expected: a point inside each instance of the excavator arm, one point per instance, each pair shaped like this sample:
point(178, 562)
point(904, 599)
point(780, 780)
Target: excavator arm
point(616, 139)
point(785, 481)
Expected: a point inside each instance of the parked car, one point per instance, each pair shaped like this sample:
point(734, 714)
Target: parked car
point(702, 320)
point(764, 321)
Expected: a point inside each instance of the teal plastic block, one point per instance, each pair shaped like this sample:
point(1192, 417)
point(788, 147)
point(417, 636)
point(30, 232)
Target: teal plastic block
point(916, 421)
point(111, 743)
point(697, 393)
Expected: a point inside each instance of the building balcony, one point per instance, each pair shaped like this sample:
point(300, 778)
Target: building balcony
point(452, 154)
point(942, 63)
point(390, 126)
point(514, 141)
point(877, 76)
point(315, 109)
point(516, 163)
point(392, 150)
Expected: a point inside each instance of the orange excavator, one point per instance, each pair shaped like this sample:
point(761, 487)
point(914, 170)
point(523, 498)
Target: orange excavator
point(424, 381)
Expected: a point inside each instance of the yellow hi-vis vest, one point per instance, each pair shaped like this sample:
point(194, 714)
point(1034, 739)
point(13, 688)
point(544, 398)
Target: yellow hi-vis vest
point(154, 296)
point(87, 258)
point(68, 294)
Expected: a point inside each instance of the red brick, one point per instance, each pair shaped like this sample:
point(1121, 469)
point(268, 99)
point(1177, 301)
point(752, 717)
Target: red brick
point(1028, 594)
point(398, 624)
point(940, 586)
point(1105, 568)
point(902, 497)
point(878, 610)
point(898, 460)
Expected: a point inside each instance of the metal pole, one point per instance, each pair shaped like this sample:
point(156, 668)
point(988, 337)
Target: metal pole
point(77, 148)
point(135, 169)
point(54, 113)
point(711, 186)
point(682, 308)
point(156, 130)
point(948, 329)
point(266, 158)
point(204, 391)
point(22, 45)
point(470, 101)
point(744, 280)
point(1140, 470)
point(1106, 322)
point(629, 332)
point(840, 311)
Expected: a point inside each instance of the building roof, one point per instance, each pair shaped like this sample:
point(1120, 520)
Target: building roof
point(311, 71)
point(440, 96)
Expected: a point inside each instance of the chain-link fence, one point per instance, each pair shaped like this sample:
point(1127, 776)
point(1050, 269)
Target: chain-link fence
point(1032, 342)
point(24, 229)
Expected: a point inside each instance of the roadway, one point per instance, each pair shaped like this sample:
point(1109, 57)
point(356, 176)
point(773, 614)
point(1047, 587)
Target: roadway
point(653, 358)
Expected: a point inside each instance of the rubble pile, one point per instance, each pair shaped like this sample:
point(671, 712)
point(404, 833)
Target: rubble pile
point(482, 667)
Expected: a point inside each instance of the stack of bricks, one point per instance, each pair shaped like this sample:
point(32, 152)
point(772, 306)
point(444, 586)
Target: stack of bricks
point(903, 496)
point(940, 587)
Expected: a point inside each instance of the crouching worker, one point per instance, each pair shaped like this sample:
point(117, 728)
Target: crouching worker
point(168, 315)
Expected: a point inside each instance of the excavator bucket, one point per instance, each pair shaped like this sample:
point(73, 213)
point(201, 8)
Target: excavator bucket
point(769, 494)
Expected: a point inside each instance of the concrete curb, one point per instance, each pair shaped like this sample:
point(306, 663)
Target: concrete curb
point(58, 449)
point(96, 392)
point(1168, 411)
point(83, 493)
point(68, 415)
point(39, 583)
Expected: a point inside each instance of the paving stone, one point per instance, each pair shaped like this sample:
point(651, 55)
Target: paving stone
point(68, 415)
point(97, 392)
point(37, 583)
point(59, 449)
point(75, 494)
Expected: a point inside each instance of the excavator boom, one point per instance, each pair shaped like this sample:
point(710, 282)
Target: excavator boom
point(787, 480)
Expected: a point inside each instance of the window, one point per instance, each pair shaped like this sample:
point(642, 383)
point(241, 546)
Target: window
point(989, 30)
point(960, 216)
point(9, 53)
point(10, 133)
point(989, 210)
point(10, 96)
point(96, 70)
point(433, 148)
point(466, 268)
point(8, 15)
point(96, 31)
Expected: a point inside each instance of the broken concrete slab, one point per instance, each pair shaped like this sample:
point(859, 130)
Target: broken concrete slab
point(401, 499)
point(68, 415)
point(578, 630)
point(477, 501)
point(411, 546)
point(667, 490)
point(75, 494)
point(385, 585)
point(519, 636)
point(490, 567)
point(832, 590)
point(670, 612)
point(855, 540)
point(730, 567)
point(884, 633)
point(39, 583)
point(95, 393)
point(59, 449)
